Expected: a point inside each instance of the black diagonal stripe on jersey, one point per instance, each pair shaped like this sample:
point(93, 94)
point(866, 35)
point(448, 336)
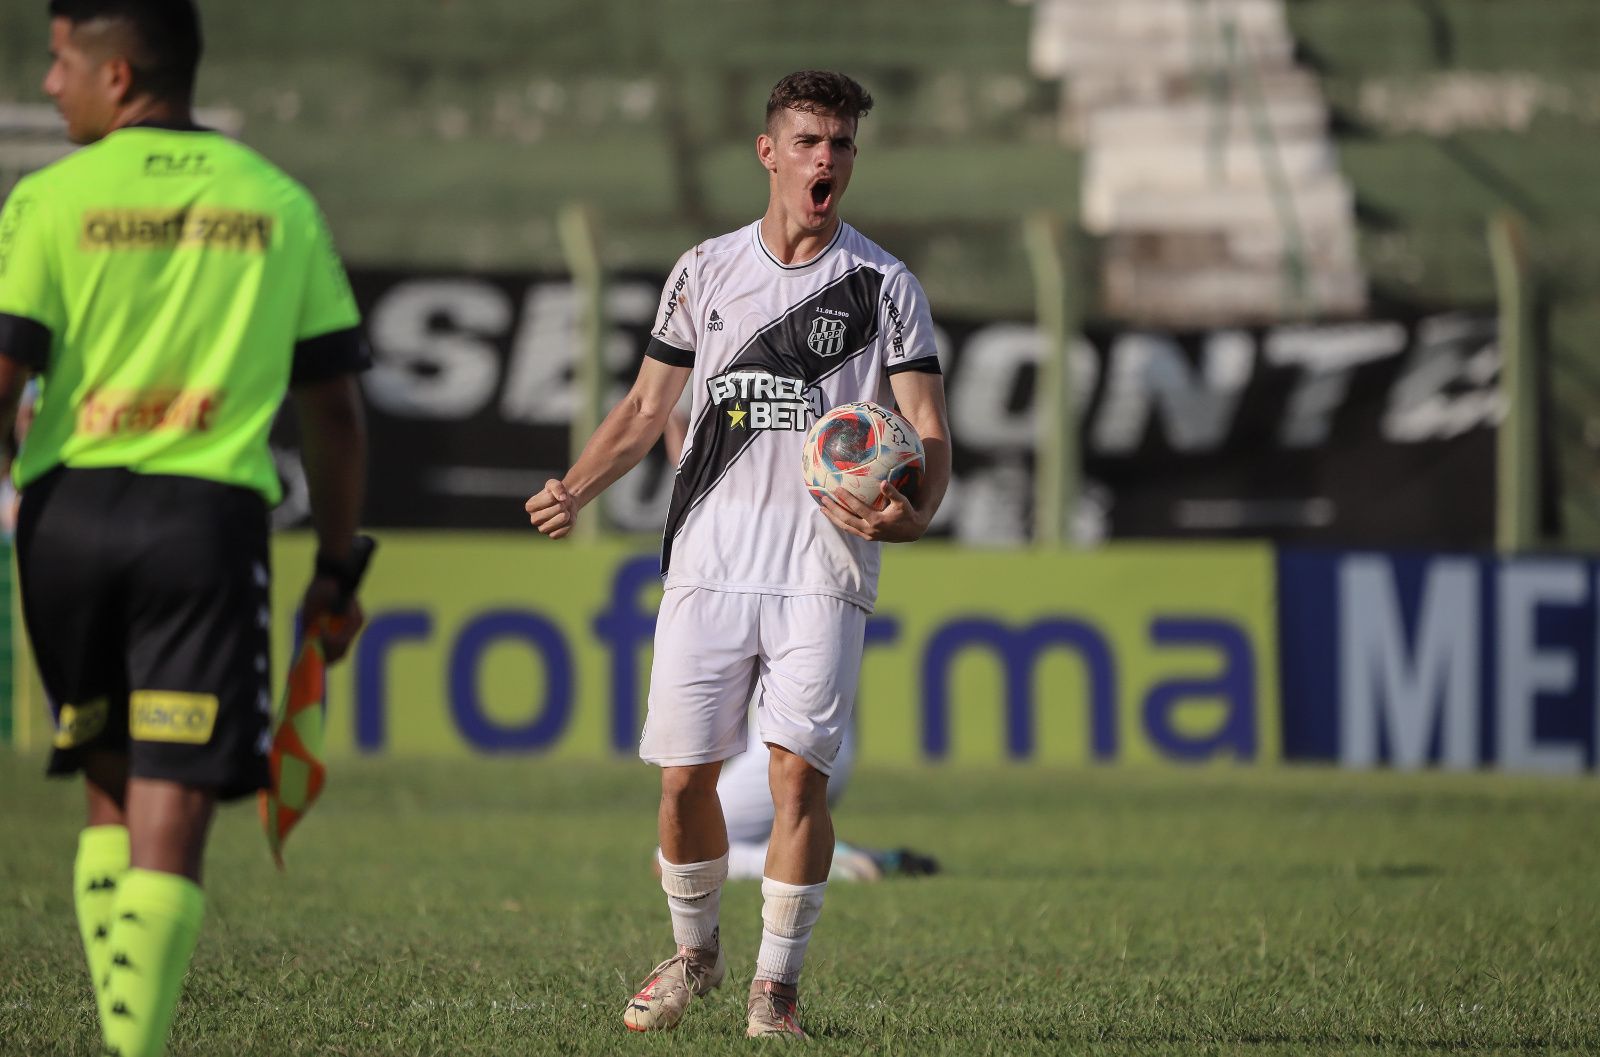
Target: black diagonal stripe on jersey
point(780, 347)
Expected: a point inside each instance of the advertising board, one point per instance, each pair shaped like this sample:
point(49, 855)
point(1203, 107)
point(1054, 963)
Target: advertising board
point(488, 643)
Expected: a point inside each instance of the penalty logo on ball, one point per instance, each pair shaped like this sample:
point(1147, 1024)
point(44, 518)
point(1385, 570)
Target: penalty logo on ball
point(857, 447)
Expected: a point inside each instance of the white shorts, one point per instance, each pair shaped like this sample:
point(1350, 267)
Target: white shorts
point(800, 654)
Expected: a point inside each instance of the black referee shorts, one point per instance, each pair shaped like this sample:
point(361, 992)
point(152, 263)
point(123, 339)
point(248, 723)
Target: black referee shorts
point(146, 599)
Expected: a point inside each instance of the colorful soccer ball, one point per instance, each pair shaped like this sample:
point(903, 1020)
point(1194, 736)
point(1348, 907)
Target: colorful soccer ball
point(857, 447)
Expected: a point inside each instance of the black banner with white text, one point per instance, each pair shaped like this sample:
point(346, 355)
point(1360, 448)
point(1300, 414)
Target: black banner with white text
point(1373, 433)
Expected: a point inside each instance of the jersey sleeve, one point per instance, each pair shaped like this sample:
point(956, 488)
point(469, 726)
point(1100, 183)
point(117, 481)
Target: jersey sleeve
point(328, 337)
point(32, 312)
point(672, 339)
point(907, 325)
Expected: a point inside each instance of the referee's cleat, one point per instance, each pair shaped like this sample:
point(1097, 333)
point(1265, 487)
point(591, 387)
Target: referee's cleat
point(672, 985)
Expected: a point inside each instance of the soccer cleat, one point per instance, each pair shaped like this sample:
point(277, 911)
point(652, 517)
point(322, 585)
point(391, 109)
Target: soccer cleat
point(670, 987)
point(852, 862)
point(903, 862)
point(772, 1010)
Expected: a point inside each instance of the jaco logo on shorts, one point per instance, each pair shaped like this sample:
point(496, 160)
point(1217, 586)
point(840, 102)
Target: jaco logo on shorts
point(168, 715)
point(76, 724)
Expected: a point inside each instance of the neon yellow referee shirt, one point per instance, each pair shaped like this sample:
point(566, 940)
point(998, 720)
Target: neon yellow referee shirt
point(168, 284)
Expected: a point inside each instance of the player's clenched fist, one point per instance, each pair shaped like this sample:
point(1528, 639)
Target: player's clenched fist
point(553, 511)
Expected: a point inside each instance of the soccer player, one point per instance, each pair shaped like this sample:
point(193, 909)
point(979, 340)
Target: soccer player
point(168, 287)
point(746, 797)
point(775, 323)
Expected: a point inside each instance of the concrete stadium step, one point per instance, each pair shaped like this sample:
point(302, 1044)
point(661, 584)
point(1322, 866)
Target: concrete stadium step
point(1205, 200)
point(1134, 86)
point(1237, 160)
point(1222, 296)
point(1160, 107)
point(1319, 251)
point(1074, 36)
point(1322, 201)
point(1181, 169)
point(1325, 248)
point(1303, 112)
point(1073, 56)
point(1154, 16)
point(1332, 247)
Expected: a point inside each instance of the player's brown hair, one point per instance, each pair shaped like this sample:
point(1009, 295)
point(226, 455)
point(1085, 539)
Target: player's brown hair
point(818, 91)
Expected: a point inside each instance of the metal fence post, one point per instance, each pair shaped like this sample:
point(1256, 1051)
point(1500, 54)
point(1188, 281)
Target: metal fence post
point(575, 227)
point(1056, 472)
point(1517, 444)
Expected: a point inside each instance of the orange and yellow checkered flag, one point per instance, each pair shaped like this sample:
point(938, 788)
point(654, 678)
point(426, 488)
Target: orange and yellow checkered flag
point(295, 761)
point(296, 758)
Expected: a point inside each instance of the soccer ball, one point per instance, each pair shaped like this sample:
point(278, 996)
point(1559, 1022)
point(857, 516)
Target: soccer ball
point(857, 447)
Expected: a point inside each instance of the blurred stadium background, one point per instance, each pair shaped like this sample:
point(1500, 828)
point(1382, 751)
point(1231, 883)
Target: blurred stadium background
point(1317, 484)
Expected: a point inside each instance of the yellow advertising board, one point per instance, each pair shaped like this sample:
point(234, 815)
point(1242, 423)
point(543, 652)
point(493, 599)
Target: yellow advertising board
point(514, 644)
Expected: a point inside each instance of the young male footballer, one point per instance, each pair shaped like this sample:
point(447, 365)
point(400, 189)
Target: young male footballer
point(168, 286)
point(774, 324)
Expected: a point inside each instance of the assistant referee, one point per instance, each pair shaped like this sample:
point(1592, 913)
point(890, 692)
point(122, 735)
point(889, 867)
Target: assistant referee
point(168, 286)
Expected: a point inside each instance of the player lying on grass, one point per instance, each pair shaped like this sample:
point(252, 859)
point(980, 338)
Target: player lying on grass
point(747, 809)
point(766, 591)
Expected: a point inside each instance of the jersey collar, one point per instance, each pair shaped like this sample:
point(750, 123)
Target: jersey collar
point(169, 126)
point(804, 267)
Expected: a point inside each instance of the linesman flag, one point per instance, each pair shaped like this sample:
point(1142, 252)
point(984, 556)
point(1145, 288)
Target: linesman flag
point(295, 761)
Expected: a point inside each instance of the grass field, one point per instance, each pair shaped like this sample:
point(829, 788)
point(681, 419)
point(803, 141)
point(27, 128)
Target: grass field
point(506, 908)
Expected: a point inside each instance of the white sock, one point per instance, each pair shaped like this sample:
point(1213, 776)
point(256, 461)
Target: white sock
point(747, 861)
point(788, 913)
point(694, 895)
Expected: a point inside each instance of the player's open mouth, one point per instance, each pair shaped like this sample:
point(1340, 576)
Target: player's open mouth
point(821, 193)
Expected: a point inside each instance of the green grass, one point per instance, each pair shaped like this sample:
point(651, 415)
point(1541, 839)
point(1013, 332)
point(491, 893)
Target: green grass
point(506, 908)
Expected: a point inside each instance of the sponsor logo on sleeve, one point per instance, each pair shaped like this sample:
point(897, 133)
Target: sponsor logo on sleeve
point(172, 716)
point(897, 327)
point(674, 299)
point(200, 227)
point(77, 724)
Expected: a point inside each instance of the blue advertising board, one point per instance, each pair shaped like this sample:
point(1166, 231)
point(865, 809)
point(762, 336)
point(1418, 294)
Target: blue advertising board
point(1452, 660)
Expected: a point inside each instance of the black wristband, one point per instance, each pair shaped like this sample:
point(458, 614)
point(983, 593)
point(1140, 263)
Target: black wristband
point(346, 572)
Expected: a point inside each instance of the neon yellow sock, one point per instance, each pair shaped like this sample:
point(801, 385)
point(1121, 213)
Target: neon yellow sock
point(152, 938)
point(101, 862)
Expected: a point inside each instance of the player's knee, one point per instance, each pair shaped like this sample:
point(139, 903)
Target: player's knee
point(797, 786)
point(686, 783)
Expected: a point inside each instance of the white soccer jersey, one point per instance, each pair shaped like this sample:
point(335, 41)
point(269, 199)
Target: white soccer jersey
point(773, 346)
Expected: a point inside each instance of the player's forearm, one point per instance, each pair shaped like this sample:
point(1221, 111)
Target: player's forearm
point(623, 439)
point(334, 453)
point(935, 477)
